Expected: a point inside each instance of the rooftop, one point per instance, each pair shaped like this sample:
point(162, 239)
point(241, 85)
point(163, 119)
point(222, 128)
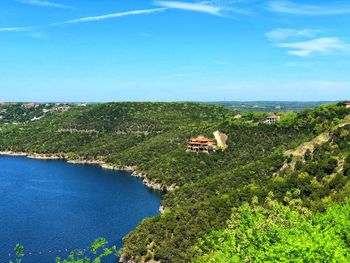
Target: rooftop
point(274, 116)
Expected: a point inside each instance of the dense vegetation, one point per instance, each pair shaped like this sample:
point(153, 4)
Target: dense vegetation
point(14, 113)
point(280, 233)
point(269, 106)
point(152, 137)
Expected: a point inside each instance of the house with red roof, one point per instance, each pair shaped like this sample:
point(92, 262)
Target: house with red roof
point(28, 105)
point(201, 144)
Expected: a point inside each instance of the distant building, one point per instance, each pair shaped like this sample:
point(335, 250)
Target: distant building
point(347, 104)
point(62, 108)
point(221, 139)
point(201, 144)
point(272, 119)
point(28, 105)
point(47, 110)
point(36, 118)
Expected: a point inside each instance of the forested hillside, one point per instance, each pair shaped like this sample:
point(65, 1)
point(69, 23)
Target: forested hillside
point(152, 137)
point(15, 113)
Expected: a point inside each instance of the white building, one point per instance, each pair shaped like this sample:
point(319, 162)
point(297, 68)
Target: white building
point(272, 119)
point(36, 118)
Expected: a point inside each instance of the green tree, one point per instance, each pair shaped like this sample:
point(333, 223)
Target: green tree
point(280, 233)
point(19, 252)
point(95, 254)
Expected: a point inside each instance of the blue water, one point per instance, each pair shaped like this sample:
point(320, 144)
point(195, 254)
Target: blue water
point(51, 206)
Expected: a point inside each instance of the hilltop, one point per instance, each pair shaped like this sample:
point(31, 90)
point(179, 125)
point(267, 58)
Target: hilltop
point(270, 106)
point(151, 139)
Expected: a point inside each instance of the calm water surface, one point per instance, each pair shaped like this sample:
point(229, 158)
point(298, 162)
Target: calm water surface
point(51, 206)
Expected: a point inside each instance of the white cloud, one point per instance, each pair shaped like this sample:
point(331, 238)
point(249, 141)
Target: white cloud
point(286, 33)
point(109, 16)
point(85, 19)
point(10, 29)
point(14, 29)
point(231, 6)
point(323, 45)
point(195, 7)
point(290, 7)
point(27, 31)
point(44, 3)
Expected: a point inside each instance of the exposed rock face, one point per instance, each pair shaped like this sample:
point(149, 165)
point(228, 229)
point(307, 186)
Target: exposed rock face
point(126, 259)
point(34, 155)
point(92, 131)
point(46, 156)
point(10, 153)
point(221, 139)
point(162, 209)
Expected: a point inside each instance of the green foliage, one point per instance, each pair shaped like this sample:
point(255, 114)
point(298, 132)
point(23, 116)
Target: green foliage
point(19, 252)
point(347, 166)
point(16, 113)
point(152, 137)
point(95, 254)
point(280, 233)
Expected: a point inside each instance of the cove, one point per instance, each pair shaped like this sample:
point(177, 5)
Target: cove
point(51, 206)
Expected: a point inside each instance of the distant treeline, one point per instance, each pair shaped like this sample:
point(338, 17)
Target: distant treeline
point(270, 106)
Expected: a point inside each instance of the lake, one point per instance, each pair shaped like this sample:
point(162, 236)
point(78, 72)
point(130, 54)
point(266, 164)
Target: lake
point(52, 206)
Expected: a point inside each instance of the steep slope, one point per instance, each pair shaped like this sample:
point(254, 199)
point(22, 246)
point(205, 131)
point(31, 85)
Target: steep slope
point(314, 179)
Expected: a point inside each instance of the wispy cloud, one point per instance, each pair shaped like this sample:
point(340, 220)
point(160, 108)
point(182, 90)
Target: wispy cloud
point(33, 32)
point(15, 29)
point(44, 3)
point(291, 7)
point(84, 19)
point(110, 16)
point(287, 33)
point(195, 7)
point(323, 45)
point(232, 6)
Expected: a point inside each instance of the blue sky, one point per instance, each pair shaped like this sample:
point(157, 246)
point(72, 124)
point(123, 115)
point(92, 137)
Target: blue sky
point(128, 50)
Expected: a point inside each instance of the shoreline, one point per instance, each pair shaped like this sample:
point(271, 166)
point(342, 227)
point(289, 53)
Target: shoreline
point(131, 169)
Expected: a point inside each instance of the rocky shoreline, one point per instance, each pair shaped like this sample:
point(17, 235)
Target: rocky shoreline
point(131, 169)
